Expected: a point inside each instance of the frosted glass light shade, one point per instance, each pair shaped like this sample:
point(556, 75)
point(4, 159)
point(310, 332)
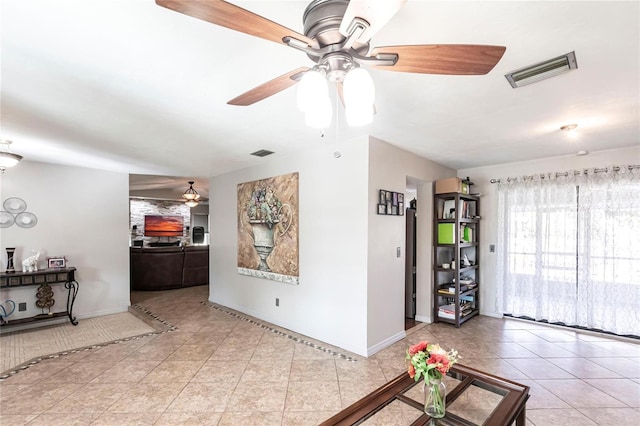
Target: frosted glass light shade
point(359, 88)
point(312, 87)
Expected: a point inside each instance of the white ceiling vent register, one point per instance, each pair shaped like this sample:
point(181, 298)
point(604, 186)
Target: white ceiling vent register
point(542, 70)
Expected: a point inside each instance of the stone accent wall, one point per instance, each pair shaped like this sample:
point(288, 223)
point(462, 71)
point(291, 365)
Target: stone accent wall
point(139, 208)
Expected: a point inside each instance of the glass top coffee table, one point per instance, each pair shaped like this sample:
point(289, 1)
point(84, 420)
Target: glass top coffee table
point(473, 398)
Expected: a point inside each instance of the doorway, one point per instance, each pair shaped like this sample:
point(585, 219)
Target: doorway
point(410, 275)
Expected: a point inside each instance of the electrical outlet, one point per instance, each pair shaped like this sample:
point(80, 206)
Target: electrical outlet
point(492, 248)
point(22, 306)
point(397, 251)
point(277, 302)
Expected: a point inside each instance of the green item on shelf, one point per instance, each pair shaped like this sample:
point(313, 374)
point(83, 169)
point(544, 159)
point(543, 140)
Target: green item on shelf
point(446, 233)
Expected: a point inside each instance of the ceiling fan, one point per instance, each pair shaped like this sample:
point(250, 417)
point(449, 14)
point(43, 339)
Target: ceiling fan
point(336, 37)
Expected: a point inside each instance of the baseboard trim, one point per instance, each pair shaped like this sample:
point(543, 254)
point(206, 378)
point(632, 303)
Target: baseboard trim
point(386, 342)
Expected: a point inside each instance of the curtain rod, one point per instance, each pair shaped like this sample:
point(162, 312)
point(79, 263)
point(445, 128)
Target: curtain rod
point(576, 172)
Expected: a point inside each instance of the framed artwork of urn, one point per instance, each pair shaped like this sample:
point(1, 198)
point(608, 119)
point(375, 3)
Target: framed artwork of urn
point(268, 228)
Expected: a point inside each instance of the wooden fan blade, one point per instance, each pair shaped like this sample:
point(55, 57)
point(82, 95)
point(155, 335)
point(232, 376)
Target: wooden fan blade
point(230, 16)
point(269, 88)
point(452, 59)
point(377, 13)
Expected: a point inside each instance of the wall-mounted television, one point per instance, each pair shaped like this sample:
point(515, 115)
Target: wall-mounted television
point(163, 226)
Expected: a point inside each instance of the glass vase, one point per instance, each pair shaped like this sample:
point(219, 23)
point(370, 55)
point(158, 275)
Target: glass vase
point(434, 398)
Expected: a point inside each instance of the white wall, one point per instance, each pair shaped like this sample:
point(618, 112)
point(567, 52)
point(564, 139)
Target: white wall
point(329, 304)
point(488, 207)
point(389, 168)
point(83, 214)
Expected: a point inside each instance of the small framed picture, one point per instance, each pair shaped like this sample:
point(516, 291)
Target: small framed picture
point(401, 209)
point(57, 262)
point(388, 194)
point(394, 210)
point(400, 198)
point(382, 209)
point(388, 207)
point(383, 196)
point(395, 198)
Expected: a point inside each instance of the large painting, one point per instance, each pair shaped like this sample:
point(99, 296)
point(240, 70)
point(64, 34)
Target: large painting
point(268, 228)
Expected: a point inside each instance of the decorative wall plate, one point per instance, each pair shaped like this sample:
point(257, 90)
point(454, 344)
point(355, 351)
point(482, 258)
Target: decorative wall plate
point(15, 205)
point(26, 220)
point(6, 219)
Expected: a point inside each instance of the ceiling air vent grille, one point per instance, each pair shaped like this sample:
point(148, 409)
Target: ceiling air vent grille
point(542, 70)
point(262, 153)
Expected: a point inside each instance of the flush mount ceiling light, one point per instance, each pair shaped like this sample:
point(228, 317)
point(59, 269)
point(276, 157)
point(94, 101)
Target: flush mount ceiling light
point(191, 195)
point(570, 129)
point(7, 158)
point(542, 70)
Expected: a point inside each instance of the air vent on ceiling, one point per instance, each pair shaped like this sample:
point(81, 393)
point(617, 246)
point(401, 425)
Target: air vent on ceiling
point(262, 153)
point(542, 70)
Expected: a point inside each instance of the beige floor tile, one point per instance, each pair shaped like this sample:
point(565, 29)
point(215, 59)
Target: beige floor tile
point(206, 397)
point(147, 398)
point(558, 417)
point(127, 372)
point(262, 418)
point(541, 397)
point(80, 372)
point(313, 370)
point(612, 416)
point(351, 392)
point(313, 396)
point(37, 398)
point(268, 370)
point(538, 368)
point(91, 398)
point(579, 394)
point(67, 419)
point(583, 368)
point(305, 418)
point(188, 419)
point(125, 419)
point(16, 419)
point(260, 396)
point(191, 353)
point(302, 351)
point(358, 370)
point(221, 371)
point(173, 371)
point(624, 390)
point(623, 366)
point(39, 372)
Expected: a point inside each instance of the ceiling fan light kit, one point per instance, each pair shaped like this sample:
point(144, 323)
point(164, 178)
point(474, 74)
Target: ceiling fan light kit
point(336, 37)
point(542, 70)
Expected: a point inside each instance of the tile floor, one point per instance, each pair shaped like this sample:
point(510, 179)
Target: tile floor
point(218, 368)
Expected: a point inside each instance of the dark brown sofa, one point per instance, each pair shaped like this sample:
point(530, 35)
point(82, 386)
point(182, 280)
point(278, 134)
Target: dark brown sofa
point(161, 268)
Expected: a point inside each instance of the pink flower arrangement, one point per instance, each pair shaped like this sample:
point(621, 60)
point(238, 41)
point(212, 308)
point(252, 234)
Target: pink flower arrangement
point(429, 361)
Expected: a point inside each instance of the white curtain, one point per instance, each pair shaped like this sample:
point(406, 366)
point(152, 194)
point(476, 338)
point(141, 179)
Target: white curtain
point(569, 249)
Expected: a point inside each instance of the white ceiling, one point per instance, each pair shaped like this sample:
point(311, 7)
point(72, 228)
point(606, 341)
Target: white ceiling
point(126, 85)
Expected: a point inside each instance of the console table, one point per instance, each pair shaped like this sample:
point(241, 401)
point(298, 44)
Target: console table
point(473, 398)
point(43, 279)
